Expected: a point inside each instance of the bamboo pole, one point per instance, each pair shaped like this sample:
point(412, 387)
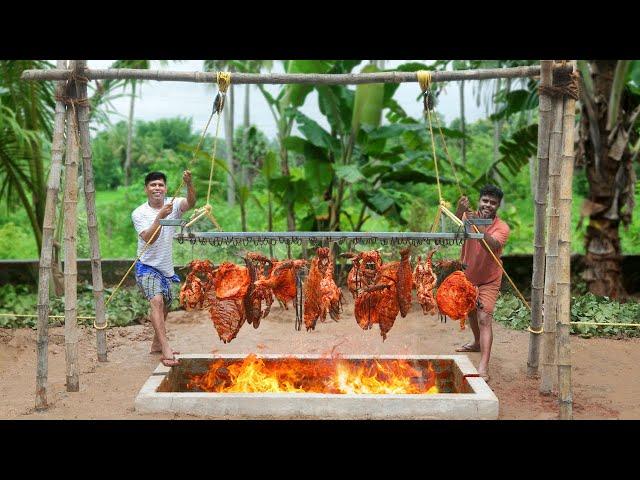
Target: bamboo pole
point(289, 78)
point(70, 235)
point(537, 280)
point(563, 352)
point(92, 222)
point(46, 253)
point(548, 380)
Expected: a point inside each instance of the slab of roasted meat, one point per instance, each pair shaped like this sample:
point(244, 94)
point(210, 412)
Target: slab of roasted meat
point(321, 294)
point(258, 267)
point(199, 280)
point(282, 280)
point(366, 266)
point(425, 280)
point(456, 297)
point(379, 303)
point(227, 300)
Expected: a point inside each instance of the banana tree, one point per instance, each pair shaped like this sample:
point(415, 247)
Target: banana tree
point(283, 107)
point(610, 98)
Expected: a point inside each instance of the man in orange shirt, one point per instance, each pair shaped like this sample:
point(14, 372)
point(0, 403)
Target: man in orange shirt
point(483, 271)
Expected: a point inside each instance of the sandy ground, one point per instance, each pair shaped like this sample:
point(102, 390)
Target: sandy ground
point(605, 382)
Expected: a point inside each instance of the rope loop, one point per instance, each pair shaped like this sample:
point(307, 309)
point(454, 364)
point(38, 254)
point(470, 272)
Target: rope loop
point(537, 332)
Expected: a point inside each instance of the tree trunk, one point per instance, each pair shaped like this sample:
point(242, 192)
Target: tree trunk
point(537, 280)
point(245, 134)
point(548, 380)
point(92, 223)
point(228, 131)
point(127, 161)
point(70, 254)
point(611, 181)
point(463, 124)
point(46, 253)
point(563, 348)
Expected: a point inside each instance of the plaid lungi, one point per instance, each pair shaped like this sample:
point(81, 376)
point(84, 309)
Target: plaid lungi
point(152, 282)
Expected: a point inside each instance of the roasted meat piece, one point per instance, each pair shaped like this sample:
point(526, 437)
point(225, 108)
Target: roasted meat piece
point(405, 283)
point(228, 316)
point(456, 297)
point(194, 289)
point(282, 280)
point(321, 293)
point(424, 280)
point(366, 266)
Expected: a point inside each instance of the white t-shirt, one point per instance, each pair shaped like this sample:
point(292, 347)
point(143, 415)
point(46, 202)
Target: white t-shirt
point(159, 254)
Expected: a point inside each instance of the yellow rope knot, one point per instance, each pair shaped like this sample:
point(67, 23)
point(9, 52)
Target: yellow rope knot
point(224, 80)
point(424, 79)
point(537, 332)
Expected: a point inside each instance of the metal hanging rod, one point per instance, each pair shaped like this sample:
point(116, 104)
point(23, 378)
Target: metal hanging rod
point(289, 78)
point(296, 238)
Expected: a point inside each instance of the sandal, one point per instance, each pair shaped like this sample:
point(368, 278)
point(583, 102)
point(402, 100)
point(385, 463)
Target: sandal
point(170, 362)
point(467, 347)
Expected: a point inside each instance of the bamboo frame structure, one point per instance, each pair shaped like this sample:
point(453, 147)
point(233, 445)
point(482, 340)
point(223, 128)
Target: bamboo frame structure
point(537, 280)
point(554, 141)
point(563, 328)
point(70, 247)
point(289, 78)
point(46, 253)
point(548, 378)
point(92, 220)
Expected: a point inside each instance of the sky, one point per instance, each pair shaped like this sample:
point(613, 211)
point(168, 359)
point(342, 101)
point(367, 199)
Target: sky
point(172, 99)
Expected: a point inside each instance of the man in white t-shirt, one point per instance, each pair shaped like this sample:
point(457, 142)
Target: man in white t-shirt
point(154, 269)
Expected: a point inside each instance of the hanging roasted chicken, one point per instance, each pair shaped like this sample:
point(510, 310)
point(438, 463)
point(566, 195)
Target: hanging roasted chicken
point(456, 297)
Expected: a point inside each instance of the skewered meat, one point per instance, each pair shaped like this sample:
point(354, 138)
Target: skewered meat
point(227, 299)
point(379, 303)
point(405, 283)
point(424, 280)
point(366, 266)
point(231, 281)
point(228, 316)
point(321, 294)
point(192, 292)
point(456, 297)
point(282, 280)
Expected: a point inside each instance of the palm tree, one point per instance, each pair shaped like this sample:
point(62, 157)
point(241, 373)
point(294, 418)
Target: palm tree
point(140, 64)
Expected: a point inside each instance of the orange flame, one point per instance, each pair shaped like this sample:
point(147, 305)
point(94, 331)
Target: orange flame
point(257, 375)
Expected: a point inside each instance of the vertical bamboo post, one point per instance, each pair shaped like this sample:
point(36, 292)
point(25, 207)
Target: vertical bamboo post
point(563, 352)
point(70, 254)
point(542, 185)
point(46, 254)
point(92, 223)
point(548, 380)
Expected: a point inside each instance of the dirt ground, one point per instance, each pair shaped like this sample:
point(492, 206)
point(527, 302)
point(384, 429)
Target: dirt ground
point(605, 383)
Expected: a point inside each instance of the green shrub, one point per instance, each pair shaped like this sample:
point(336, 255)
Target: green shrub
point(128, 306)
point(511, 312)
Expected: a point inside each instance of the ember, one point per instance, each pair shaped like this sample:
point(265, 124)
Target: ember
point(257, 375)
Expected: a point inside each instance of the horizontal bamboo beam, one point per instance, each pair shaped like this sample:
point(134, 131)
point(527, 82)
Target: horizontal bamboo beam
point(290, 78)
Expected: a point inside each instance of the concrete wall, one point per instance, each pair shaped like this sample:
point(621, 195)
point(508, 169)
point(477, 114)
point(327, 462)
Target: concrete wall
point(519, 267)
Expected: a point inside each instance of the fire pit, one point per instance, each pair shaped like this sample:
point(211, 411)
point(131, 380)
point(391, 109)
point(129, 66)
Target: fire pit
point(316, 387)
